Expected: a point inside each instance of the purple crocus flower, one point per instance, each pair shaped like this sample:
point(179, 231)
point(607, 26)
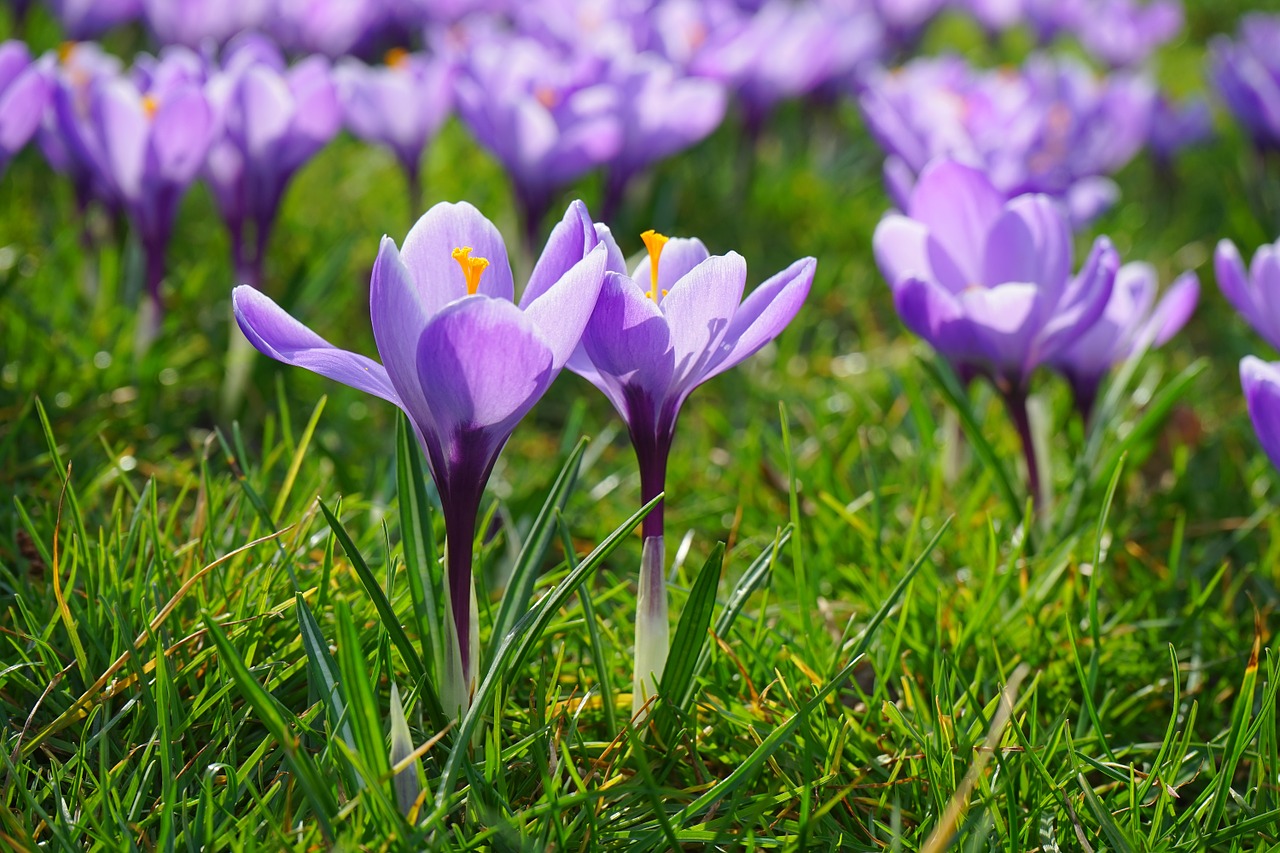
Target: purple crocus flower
point(401, 105)
point(85, 19)
point(987, 281)
point(1124, 33)
point(1261, 383)
point(64, 136)
point(25, 89)
point(1254, 293)
point(548, 117)
point(271, 120)
point(197, 23)
point(330, 27)
point(146, 138)
point(1247, 75)
point(676, 321)
point(1178, 125)
point(1132, 323)
point(1052, 127)
point(459, 357)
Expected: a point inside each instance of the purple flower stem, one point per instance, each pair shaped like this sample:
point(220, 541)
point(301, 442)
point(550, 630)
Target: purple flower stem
point(1016, 402)
point(413, 176)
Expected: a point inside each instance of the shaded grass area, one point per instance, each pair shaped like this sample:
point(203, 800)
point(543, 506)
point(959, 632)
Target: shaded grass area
point(192, 659)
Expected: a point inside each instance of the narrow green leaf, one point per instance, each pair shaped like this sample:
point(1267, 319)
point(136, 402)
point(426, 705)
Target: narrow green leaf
point(692, 632)
point(417, 534)
point(323, 672)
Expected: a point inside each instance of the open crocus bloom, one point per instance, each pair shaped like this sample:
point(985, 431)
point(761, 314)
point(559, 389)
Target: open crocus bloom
point(987, 282)
point(459, 357)
point(1261, 383)
point(1254, 293)
point(676, 321)
point(1132, 323)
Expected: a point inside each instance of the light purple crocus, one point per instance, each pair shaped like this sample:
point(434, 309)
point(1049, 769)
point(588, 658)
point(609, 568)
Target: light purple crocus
point(459, 357)
point(988, 281)
point(400, 105)
point(548, 117)
point(271, 119)
point(145, 137)
point(1261, 382)
point(25, 89)
point(1255, 292)
point(198, 23)
point(64, 137)
point(1132, 323)
point(1247, 74)
point(1124, 33)
point(85, 19)
point(676, 321)
point(332, 28)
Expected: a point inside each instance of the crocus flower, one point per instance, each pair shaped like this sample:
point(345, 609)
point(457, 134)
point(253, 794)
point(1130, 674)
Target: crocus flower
point(196, 23)
point(1132, 323)
point(459, 357)
point(400, 105)
point(1124, 33)
point(1052, 127)
point(25, 89)
point(548, 117)
point(1178, 125)
point(83, 19)
point(987, 282)
point(146, 140)
point(64, 137)
point(676, 321)
point(1261, 383)
point(1247, 75)
point(1254, 293)
point(329, 27)
point(270, 121)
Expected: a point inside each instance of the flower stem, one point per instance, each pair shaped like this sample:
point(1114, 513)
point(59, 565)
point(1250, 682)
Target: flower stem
point(653, 634)
point(1016, 402)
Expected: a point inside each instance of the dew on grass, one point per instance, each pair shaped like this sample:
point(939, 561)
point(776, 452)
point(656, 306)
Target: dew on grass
point(102, 359)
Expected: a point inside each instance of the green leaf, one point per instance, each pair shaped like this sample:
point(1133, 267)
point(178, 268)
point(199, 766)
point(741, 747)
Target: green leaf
point(323, 672)
point(417, 534)
point(692, 633)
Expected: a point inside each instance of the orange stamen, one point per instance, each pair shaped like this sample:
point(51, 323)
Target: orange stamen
point(653, 241)
point(150, 105)
point(397, 57)
point(472, 268)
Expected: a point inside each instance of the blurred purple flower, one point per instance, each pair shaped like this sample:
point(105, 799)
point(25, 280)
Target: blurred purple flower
point(146, 138)
point(64, 137)
point(401, 105)
point(459, 357)
point(1254, 293)
point(1052, 127)
point(676, 321)
point(270, 121)
point(329, 27)
point(1132, 323)
point(198, 23)
point(25, 89)
point(988, 283)
point(1261, 383)
point(1247, 75)
point(548, 117)
point(1179, 125)
point(84, 19)
point(1124, 33)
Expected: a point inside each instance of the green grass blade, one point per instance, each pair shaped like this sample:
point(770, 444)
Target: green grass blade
point(691, 636)
point(417, 535)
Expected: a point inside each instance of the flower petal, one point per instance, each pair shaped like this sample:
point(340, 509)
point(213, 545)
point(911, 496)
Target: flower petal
point(561, 312)
point(679, 255)
point(628, 340)
point(122, 126)
point(1174, 310)
point(428, 253)
point(278, 335)
point(764, 314)
point(570, 241)
point(1233, 281)
point(180, 135)
point(1261, 383)
point(1030, 242)
point(398, 316)
point(699, 308)
point(900, 248)
point(958, 205)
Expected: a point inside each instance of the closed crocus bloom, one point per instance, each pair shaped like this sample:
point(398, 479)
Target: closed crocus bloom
point(1255, 292)
point(1261, 382)
point(25, 88)
point(1133, 322)
point(400, 105)
point(271, 120)
point(676, 321)
point(988, 282)
point(459, 357)
point(83, 19)
point(1246, 73)
point(548, 118)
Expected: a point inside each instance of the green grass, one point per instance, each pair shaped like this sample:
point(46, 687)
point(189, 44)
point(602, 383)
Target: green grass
point(192, 656)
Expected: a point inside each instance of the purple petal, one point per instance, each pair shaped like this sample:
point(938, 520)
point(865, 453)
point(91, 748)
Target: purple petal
point(934, 313)
point(1174, 310)
point(699, 308)
point(398, 315)
point(570, 241)
point(1261, 383)
point(266, 110)
point(1233, 281)
point(958, 205)
point(122, 125)
point(628, 340)
point(428, 253)
point(1080, 306)
point(561, 313)
point(180, 134)
point(764, 314)
point(900, 248)
point(1005, 318)
point(679, 256)
point(1030, 242)
point(276, 334)
point(22, 107)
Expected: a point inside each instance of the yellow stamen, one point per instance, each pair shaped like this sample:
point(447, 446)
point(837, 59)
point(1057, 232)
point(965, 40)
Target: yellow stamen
point(547, 96)
point(397, 57)
point(472, 268)
point(653, 241)
point(65, 50)
point(150, 105)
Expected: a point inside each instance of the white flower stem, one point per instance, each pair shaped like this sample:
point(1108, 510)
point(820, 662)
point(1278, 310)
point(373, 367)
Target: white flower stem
point(653, 633)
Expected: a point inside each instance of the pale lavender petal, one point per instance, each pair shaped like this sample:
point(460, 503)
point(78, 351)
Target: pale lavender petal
point(1081, 305)
point(398, 315)
point(562, 311)
point(1233, 281)
point(628, 339)
point(1005, 318)
point(900, 248)
point(428, 253)
point(1261, 383)
point(180, 135)
point(123, 126)
point(935, 314)
point(958, 205)
point(1030, 242)
point(276, 334)
point(570, 241)
point(1174, 309)
point(698, 309)
point(764, 314)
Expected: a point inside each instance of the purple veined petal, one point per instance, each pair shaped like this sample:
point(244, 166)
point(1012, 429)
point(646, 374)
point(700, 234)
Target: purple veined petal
point(935, 314)
point(428, 254)
point(1261, 383)
point(122, 125)
point(276, 334)
point(483, 365)
point(1005, 318)
point(570, 241)
point(1030, 242)
point(627, 340)
point(180, 135)
point(318, 113)
point(900, 246)
point(1233, 281)
point(561, 313)
point(616, 261)
point(398, 315)
point(699, 308)
point(1080, 306)
point(1173, 310)
point(679, 256)
point(958, 205)
point(266, 111)
point(22, 107)
point(764, 314)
